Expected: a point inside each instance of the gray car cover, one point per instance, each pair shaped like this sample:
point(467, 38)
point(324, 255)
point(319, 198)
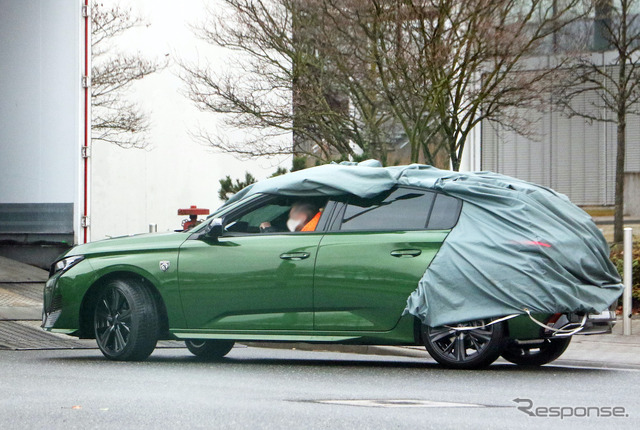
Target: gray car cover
point(517, 246)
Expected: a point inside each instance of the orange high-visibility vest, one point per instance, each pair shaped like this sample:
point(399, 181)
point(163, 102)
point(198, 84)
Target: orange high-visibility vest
point(311, 225)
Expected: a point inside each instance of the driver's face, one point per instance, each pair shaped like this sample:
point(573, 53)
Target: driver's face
point(297, 217)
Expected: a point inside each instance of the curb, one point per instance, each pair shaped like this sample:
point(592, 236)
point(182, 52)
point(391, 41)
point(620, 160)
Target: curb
point(347, 349)
point(417, 352)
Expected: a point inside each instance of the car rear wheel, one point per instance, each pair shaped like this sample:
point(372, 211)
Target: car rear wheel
point(458, 346)
point(126, 321)
point(536, 354)
point(209, 349)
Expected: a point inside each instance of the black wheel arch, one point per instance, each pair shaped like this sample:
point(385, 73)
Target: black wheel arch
point(91, 296)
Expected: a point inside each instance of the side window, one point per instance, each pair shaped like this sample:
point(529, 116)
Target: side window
point(402, 209)
point(275, 212)
point(445, 213)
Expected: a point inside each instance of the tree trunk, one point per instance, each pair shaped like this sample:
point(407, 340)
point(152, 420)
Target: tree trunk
point(455, 160)
point(618, 217)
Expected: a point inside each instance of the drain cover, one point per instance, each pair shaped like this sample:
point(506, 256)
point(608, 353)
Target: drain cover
point(400, 403)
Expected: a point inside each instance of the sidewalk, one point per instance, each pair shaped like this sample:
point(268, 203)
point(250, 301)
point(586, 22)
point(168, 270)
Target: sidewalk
point(614, 350)
point(21, 306)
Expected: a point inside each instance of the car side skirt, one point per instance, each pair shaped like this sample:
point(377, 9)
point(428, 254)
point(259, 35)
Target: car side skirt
point(402, 334)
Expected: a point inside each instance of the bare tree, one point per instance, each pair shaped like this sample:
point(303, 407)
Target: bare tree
point(446, 65)
point(115, 117)
point(615, 81)
point(341, 74)
point(280, 82)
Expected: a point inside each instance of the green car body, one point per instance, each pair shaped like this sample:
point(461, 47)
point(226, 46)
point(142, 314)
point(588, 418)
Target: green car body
point(322, 286)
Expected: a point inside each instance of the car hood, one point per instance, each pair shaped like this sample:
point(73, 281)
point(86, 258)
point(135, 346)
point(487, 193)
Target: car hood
point(134, 243)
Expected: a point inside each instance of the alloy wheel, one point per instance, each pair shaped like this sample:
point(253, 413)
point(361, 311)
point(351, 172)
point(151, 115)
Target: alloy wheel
point(113, 321)
point(460, 344)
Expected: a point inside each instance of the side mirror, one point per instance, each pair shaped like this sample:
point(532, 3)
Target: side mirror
point(215, 229)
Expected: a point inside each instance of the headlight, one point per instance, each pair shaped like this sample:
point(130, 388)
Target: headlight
point(65, 264)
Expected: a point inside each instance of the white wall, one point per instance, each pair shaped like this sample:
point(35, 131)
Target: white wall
point(130, 187)
point(40, 101)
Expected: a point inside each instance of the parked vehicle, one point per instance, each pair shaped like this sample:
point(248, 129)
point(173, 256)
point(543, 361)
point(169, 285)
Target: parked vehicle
point(347, 280)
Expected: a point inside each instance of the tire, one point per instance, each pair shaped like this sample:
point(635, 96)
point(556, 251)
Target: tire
point(209, 349)
point(126, 321)
point(536, 354)
point(465, 349)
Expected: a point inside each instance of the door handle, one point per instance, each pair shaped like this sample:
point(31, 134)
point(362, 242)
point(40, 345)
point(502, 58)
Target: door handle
point(296, 256)
point(406, 253)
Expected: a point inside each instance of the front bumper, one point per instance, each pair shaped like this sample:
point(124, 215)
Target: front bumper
point(51, 303)
point(62, 300)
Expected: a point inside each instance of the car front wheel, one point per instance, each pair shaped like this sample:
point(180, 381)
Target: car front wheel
point(468, 345)
point(536, 354)
point(126, 321)
point(209, 349)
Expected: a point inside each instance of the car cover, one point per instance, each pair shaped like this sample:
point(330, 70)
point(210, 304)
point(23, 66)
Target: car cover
point(517, 247)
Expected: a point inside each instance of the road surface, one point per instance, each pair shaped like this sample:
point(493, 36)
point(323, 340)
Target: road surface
point(275, 388)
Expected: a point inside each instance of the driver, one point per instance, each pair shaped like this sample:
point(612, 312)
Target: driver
point(301, 213)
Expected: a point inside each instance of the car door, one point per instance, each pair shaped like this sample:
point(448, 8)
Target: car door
point(374, 254)
point(248, 280)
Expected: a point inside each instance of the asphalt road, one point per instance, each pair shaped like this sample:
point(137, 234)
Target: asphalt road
point(270, 388)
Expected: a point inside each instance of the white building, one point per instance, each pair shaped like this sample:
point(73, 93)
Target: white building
point(574, 156)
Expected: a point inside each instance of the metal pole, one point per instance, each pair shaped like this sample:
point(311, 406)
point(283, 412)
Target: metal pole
point(628, 282)
point(153, 228)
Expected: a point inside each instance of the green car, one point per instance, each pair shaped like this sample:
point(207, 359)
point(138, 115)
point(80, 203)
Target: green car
point(269, 267)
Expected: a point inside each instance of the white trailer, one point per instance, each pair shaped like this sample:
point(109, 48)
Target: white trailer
point(44, 112)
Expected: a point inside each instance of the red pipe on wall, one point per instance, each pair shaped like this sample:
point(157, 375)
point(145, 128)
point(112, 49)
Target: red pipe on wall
point(87, 125)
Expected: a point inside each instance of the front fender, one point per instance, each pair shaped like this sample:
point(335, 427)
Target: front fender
point(148, 265)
